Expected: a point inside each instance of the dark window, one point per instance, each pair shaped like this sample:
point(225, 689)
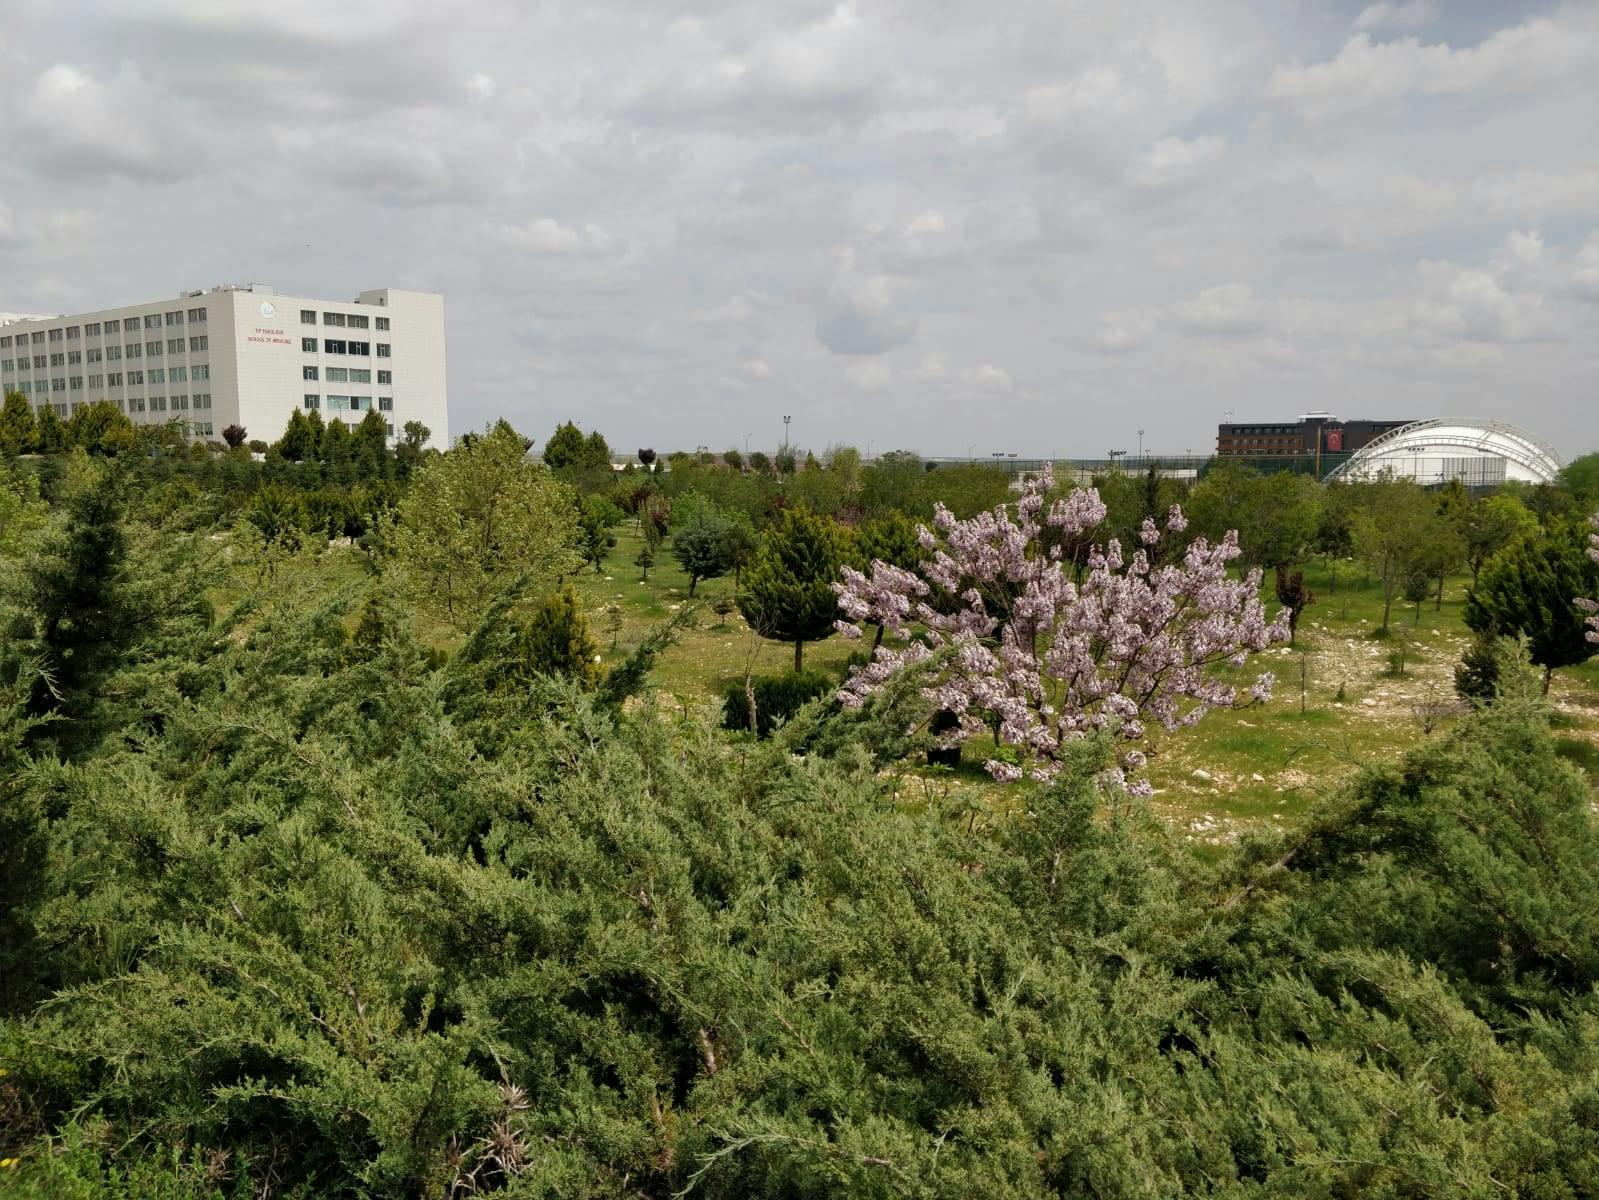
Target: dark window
point(312, 400)
point(307, 372)
point(308, 345)
point(383, 349)
point(308, 316)
point(360, 347)
point(333, 346)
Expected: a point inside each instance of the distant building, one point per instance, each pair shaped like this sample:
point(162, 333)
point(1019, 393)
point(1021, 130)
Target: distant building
point(239, 354)
point(1301, 437)
point(1477, 453)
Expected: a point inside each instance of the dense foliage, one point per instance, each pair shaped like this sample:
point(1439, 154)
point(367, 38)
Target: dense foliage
point(294, 903)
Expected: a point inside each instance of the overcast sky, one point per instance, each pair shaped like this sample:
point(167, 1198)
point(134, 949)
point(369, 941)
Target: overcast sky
point(1034, 225)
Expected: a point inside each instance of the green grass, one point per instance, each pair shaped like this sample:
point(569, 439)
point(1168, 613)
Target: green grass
point(1298, 755)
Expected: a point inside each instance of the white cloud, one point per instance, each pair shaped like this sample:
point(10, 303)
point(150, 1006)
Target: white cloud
point(988, 378)
point(859, 316)
point(1228, 309)
point(868, 376)
point(1366, 73)
point(1405, 14)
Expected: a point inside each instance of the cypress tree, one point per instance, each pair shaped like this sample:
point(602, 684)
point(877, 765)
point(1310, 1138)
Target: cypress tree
point(18, 431)
point(788, 587)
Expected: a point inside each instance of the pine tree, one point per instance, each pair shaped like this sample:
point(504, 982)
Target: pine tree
point(18, 431)
point(788, 587)
point(701, 546)
point(296, 444)
point(370, 447)
point(1531, 589)
point(52, 434)
point(554, 640)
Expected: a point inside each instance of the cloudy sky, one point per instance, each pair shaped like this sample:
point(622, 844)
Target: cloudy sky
point(1034, 226)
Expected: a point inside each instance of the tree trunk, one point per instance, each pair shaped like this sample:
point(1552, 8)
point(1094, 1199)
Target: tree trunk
point(877, 641)
point(1387, 604)
point(1439, 607)
point(799, 655)
point(692, 580)
point(1548, 674)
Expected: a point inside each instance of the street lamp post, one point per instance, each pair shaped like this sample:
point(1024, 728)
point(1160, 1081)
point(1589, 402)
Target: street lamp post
point(786, 420)
point(746, 445)
point(1140, 443)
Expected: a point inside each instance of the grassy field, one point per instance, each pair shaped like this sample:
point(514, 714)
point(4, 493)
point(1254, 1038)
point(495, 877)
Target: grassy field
point(1261, 765)
point(1265, 763)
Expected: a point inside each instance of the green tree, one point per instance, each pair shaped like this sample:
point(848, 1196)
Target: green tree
point(52, 434)
point(18, 431)
point(554, 639)
point(296, 444)
point(701, 545)
point(1530, 589)
point(1391, 534)
point(568, 448)
point(596, 518)
point(645, 558)
point(477, 518)
point(1580, 477)
point(788, 586)
point(102, 428)
point(335, 450)
point(1277, 516)
point(369, 450)
point(1490, 524)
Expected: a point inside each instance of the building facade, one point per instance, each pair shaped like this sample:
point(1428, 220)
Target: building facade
point(240, 355)
point(1318, 432)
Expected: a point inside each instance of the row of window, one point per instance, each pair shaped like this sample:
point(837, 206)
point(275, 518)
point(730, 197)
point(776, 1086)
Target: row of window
point(196, 316)
point(341, 320)
point(339, 346)
point(345, 374)
point(199, 373)
point(197, 345)
point(198, 427)
point(348, 403)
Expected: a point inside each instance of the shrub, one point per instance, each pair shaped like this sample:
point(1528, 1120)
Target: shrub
point(777, 698)
point(1477, 672)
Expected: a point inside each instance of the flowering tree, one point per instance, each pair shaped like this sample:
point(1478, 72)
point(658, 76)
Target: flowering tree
point(1012, 639)
point(1587, 605)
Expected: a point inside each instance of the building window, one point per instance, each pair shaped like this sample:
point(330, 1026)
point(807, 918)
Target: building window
point(357, 321)
point(360, 375)
point(337, 375)
point(360, 403)
point(312, 400)
point(92, 329)
point(158, 404)
point(133, 350)
point(153, 321)
point(75, 382)
point(308, 345)
point(129, 324)
point(5, 342)
point(332, 346)
point(152, 349)
point(333, 318)
point(135, 377)
point(382, 322)
point(202, 400)
point(180, 402)
point(8, 366)
point(112, 353)
point(308, 316)
point(338, 403)
point(55, 335)
point(134, 404)
point(196, 316)
point(178, 374)
point(58, 385)
point(158, 375)
point(74, 357)
point(97, 381)
point(385, 377)
point(174, 345)
point(200, 371)
point(201, 343)
point(72, 333)
point(38, 362)
point(113, 379)
point(360, 347)
point(309, 372)
point(58, 359)
point(38, 338)
point(383, 349)
point(386, 404)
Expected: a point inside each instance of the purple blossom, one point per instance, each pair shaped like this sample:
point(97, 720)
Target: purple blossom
point(1023, 649)
point(1587, 605)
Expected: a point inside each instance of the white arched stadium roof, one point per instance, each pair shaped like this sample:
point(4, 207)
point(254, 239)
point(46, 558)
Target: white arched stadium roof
point(1434, 452)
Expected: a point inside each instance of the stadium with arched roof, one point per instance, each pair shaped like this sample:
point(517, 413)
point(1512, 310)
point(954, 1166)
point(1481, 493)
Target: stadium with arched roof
point(1478, 453)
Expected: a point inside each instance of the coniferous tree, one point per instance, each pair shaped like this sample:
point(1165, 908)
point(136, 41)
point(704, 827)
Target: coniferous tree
point(18, 430)
point(1531, 589)
point(787, 592)
point(370, 447)
point(554, 639)
point(52, 434)
point(296, 444)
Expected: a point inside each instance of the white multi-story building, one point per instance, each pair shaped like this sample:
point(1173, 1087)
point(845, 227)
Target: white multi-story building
point(240, 354)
